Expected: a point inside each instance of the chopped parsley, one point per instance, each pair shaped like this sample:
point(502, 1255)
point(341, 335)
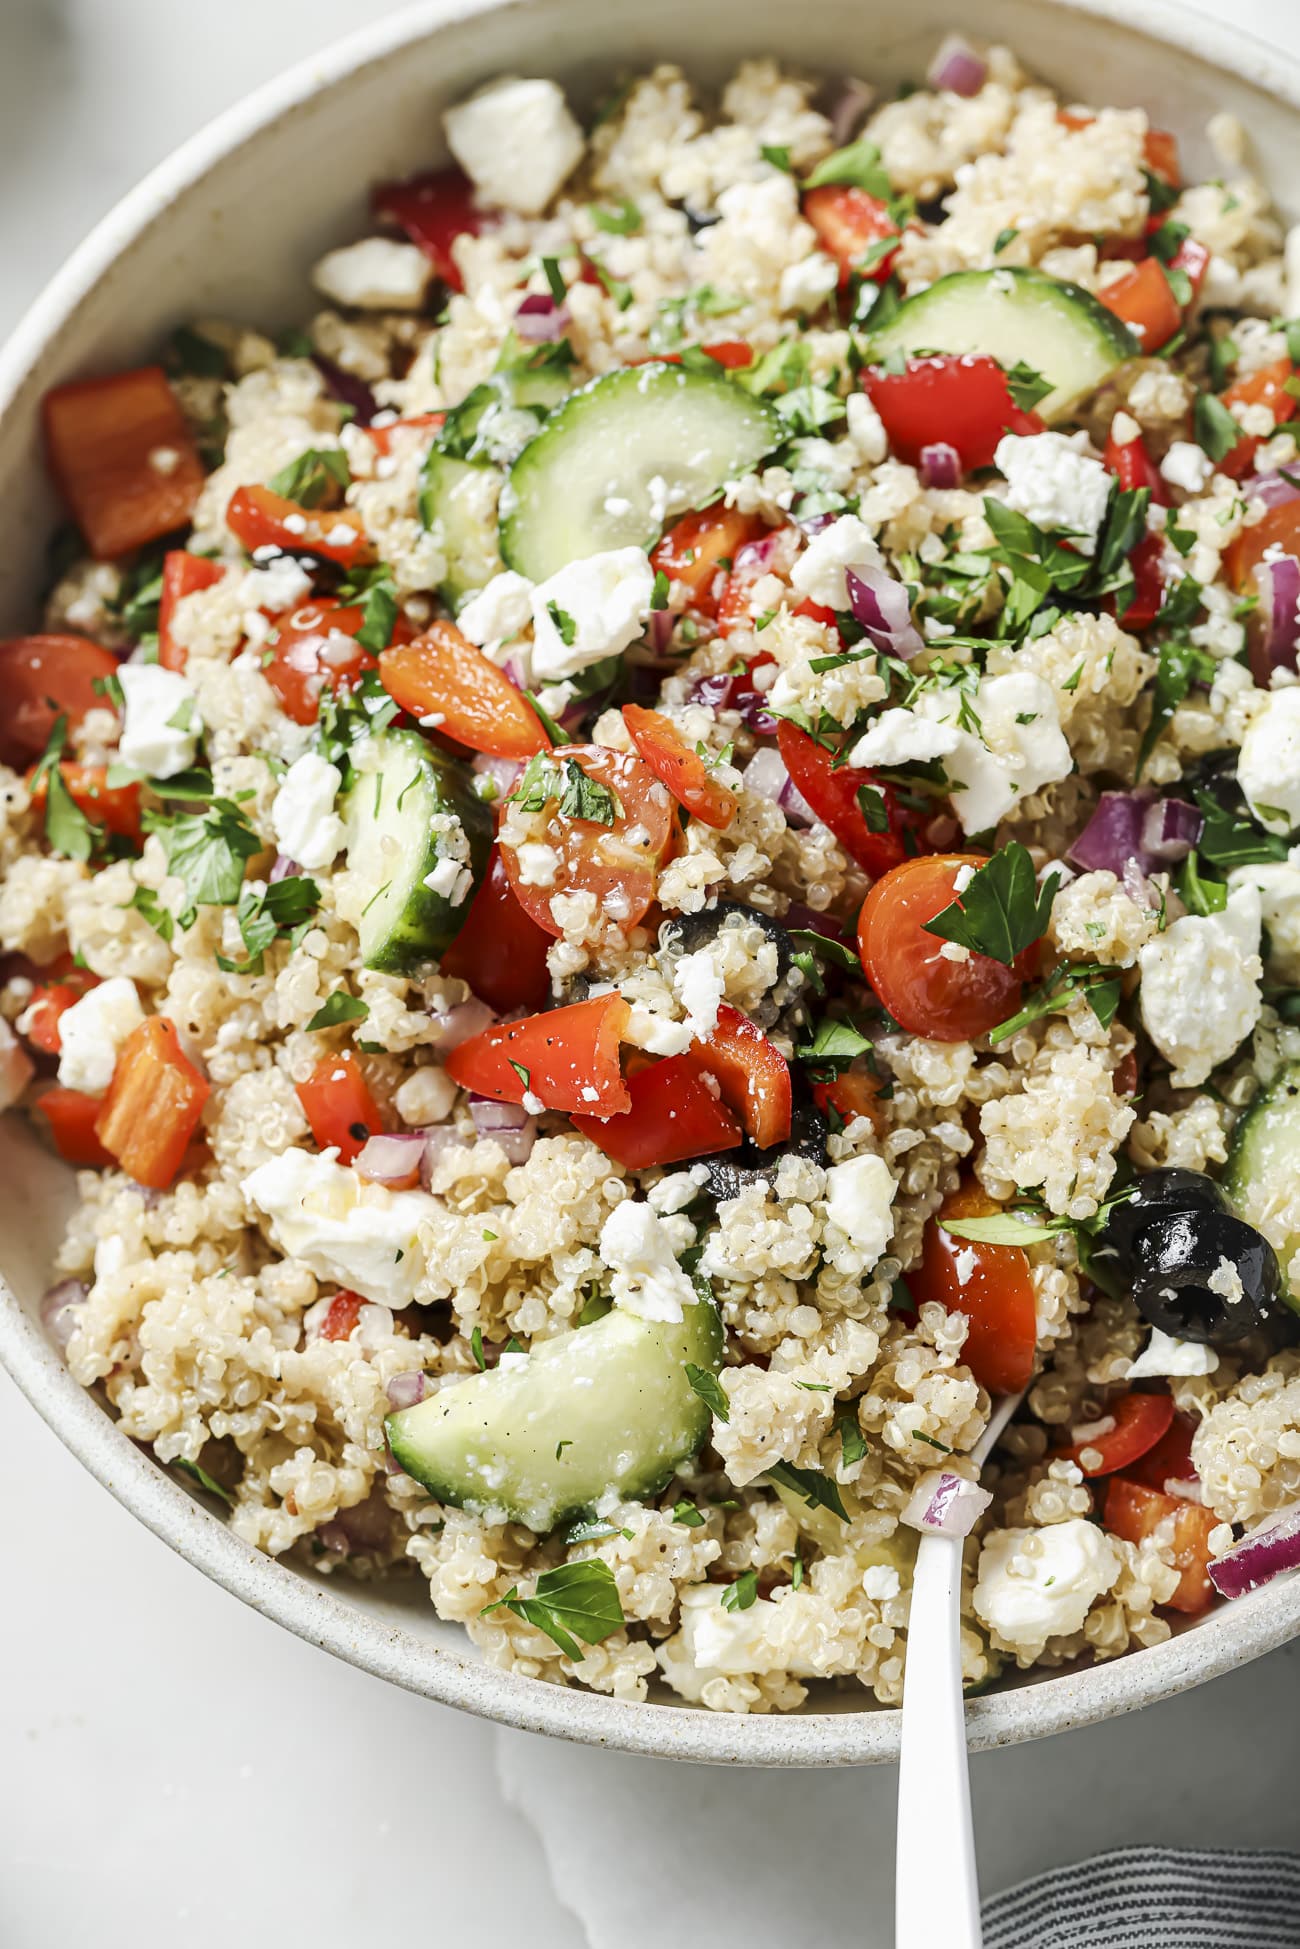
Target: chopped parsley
point(315, 476)
point(339, 1008)
point(1227, 840)
point(576, 795)
point(853, 1444)
point(1213, 427)
point(741, 1595)
point(1180, 666)
point(571, 1602)
point(857, 164)
point(834, 1045)
point(1025, 385)
point(1100, 987)
point(625, 221)
point(207, 851)
point(707, 1386)
point(284, 908)
point(204, 1480)
point(565, 627)
point(816, 1489)
point(685, 1512)
point(67, 828)
point(1002, 910)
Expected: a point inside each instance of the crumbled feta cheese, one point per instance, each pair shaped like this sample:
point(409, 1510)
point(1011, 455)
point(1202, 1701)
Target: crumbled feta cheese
point(769, 1635)
point(1200, 994)
point(275, 585)
point(859, 1200)
point(532, 1102)
point(161, 725)
point(1036, 1584)
point(378, 274)
point(498, 612)
point(846, 543)
point(303, 818)
point(427, 1096)
point(1124, 429)
point(1187, 466)
point(1055, 483)
point(516, 141)
point(538, 864)
point(657, 1034)
point(900, 737)
point(450, 880)
point(1163, 1354)
point(805, 286)
point(636, 1245)
point(866, 429)
point(600, 602)
point(1268, 768)
point(1278, 882)
point(881, 1581)
point(93, 1030)
point(699, 984)
point(1021, 746)
point(339, 1226)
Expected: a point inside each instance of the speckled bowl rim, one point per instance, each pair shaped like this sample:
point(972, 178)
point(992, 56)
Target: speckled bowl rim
point(314, 1609)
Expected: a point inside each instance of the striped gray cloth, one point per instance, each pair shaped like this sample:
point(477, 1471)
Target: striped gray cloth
point(1153, 1898)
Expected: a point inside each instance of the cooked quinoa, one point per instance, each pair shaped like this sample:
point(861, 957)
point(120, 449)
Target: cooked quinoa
point(972, 635)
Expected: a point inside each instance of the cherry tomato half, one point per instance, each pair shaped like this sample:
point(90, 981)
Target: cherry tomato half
point(260, 519)
point(312, 651)
point(698, 550)
point(442, 674)
point(683, 771)
point(848, 221)
point(960, 398)
point(832, 792)
point(1144, 300)
point(618, 862)
point(433, 209)
point(341, 1316)
point(1267, 387)
point(41, 678)
point(500, 950)
point(1132, 1511)
point(1141, 1420)
point(1277, 530)
point(1171, 1458)
point(114, 807)
point(567, 1057)
point(990, 1284)
point(926, 992)
point(675, 1115)
point(182, 575)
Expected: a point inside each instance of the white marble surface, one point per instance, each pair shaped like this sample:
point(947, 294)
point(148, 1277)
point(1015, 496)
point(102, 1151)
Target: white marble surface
point(173, 1768)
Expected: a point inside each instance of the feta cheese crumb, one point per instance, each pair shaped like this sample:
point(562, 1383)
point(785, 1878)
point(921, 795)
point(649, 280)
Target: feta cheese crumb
point(516, 141)
point(341, 1227)
point(599, 603)
point(93, 1030)
point(657, 1034)
point(378, 274)
point(1200, 996)
point(1163, 1354)
point(859, 1202)
point(805, 286)
point(498, 612)
point(699, 985)
point(1055, 483)
point(866, 429)
point(1268, 769)
point(1187, 466)
point(1124, 429)
point(636, 1245)
point(881, 1581)
point(898, 737)
point(1036, 1584)
point(819, 573)
point(303, 818)
point(161, 725)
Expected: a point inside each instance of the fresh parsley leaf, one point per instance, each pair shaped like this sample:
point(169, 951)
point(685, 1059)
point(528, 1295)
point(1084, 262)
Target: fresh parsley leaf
point(339, 1008)
point(282, 907)
point(1101, 988)
point(555, 732)
point(1004, 1228)
point(571, 1602)
point(136, 608)
point(207, 851)
point(313, 477)
point(1181, 605)
point(1228, 841)
point(1002, 909)
point(1224, 352)
point(816, 1489)
point(67, 828)
point(853, 1443)
point(625, 221)
point(871, 804)
point(476, 1348)
point(379, 614)
point(835, 952)
point(145, 901)
point(740, 1595)
point(1025, 385)
point(1180, 666)
point(1213, 427)
point(835, 1044)
point(1003, 238)
point(660, 590)
point(621, 293)
point(707, 1386)
point(198, 357)
point(858, 164)
point(686, 1512)
point(1199, 894)
point(1160, 194)
point(566, 628)
point(586, 798)
point(555, 279)
point(778, 156)
point(204, 1480)
point(525, 1075)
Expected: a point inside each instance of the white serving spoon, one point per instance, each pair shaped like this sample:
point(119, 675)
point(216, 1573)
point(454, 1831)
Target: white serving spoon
point(936, 1887)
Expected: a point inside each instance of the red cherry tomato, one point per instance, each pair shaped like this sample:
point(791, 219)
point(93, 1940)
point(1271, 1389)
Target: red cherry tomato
point(959, 398)
point(569, 1059)
point(1264, 388)
point(1148, 598)
point(441, 673)
point(1278, 530)
point(260, 519)
point(618, 863)
point(339, 1107)
point(848, 221)
point(752, 1075)
point(341, 1316)
point(1159, 146)
point(674, 1116)
point(990, 1284)
point(851, 1094)
point(1141, 1420)
point(926, 992)
point(182, 575)
point(832, 792)
point(72, 1117)
point(683, 771)
point(1132, 1511)
point(115, 807)
point(312, 652)
point(41, 678)
point(433, 209)
point(698, 550)
point(1170, 1460)
point(1143, 299)
point(500, 951)
point(50, 1002)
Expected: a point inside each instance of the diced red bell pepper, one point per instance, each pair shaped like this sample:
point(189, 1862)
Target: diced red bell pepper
point(339, 1107)
point(853, 1093)
point(569, 1058)
point(433, 209)
point(1141, 1420)
point(1133, 1511)
point(259, 518)
point(43, 1013)
point(1146, 562)
point(699, 550)
point(686, 774)
point(341, 1316)
point(72, 1117)
point(442, 673)
point(1133, 467)
point(1267, 387)
point(115, 807)
point(1144, 301)
point(183, 574)
point(153, 1104)
point(962, 400)
point(674, 1115)
point(122, 457)
point(383, 436)
point(500, 950)
point(1170, 1460)
point(752, 1074)
point(990, 1284)
point(832, 792)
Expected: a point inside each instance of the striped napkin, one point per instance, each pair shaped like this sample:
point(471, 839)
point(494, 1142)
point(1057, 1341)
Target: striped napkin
point(1153, 1898)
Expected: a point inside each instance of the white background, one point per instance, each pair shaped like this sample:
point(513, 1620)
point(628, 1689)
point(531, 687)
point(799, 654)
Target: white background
point(174, 1768)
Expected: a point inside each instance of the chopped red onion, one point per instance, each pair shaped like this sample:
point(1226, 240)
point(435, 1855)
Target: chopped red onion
point(847, 110)
point(514, 670)
point(504, 772)
point(1274, 627)
point(940, 465)
point(755, 558)
point(366, 1526)
point(1170, 829)
point(957, 68)
point(59, 1309)
point(881, 605)
point(438, 1137)
point(1113, 835)
point(405, 1390)
point(539, 320)
point(766, 775)
point(946, 1503)
point(797, 915)
point(736, 691)
point(16, 1067)
point(507, 1124)
point(392, 1160)
point(1274, 490)
point(813, 524)
point(285, 869)
point(346, 387)
point(1266, 1553)
point(458, 1024)
point(659, 630)
point(1137, 886)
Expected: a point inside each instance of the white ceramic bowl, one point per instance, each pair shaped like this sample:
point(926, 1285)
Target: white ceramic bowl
point(229, 225)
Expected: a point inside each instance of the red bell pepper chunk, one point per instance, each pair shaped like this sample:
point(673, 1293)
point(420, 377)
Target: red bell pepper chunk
point(339, 1107)
point(569, 1058)
point(123, 459)
point(1133, 467)
point(686, 774)
point(500, 950)
point(115, 807)
point(261, 519)
point(1171, 1458)
point(72, 1117)
point(1148, 599)
point(751, 1073)
point(674, 1116)
point(848, 221)
point(832, 792)
point(443, 673)
point(990, 1284)
point(1143, 299)
point(49, 1003)
point(1267, 387)
point(1132, 1511)
point(1141, 1420)
point(182, 575)
point(433, 209)
point(961, 400)
point(699, 550)
point(153, 1104)
point(341, 1316)
point(383, 435)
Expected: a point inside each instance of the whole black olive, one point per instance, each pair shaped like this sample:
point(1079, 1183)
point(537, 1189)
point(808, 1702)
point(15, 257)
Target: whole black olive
point(732, 1171)
point(1155, 1195)
point(1201, 1274)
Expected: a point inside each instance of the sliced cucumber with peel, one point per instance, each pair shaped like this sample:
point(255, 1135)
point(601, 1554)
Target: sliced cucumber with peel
point(1263, 1170)
point(396, 814)
point(606, 1407)
point(622, 457)
point(1014, 315)
point(458, 502)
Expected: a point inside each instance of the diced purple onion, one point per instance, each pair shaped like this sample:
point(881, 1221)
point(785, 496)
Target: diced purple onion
point(346, 387)
point(1274, 627)
point(1266, 1553)
point(1170, 829)
point(881, 605)
point(1113, 835)
point(766, 775)
point(393, 1160)
point(797, 915)
point(946, 1503)
point(957, 68)
point(405, 1390)
point(940, 465)
point(285, 869)
point(813, 524)
point(16, 1067)
point(1274, 490)
point(755, 558)
point(458, 1024)
point(438, 1137)
point(59, 1310)
point(847, 109)
point(504, 772)
point(366, 1526)
point(507, 1124)
point(539, 320)
point(513, 670)
point(659, 631)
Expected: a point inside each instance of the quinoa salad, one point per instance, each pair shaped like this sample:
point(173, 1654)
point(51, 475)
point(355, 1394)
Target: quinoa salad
point(653, 858)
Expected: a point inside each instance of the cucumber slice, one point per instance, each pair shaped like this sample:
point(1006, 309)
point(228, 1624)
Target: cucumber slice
point(1013, 315)
point(1262, 1168)
point(624, 455)
point(397, 833)
point(458, 501)
point(607, 1406)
